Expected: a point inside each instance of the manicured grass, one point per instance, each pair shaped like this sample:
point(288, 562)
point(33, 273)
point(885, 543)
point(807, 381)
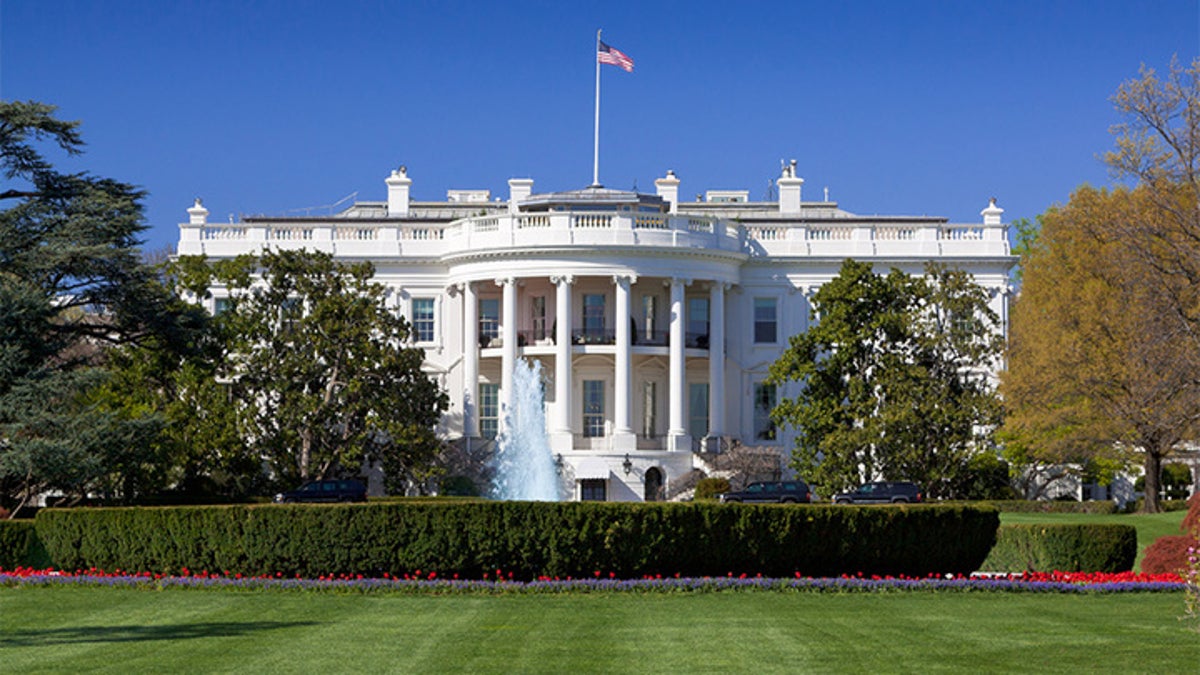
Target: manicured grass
point(1149, 526)
point(114, 630)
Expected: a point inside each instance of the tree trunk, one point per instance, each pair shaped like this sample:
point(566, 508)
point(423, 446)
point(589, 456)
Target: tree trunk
point(305, 453)
point(1153, 467)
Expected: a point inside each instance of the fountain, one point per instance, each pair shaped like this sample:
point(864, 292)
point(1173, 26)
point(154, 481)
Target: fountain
point(525, 468)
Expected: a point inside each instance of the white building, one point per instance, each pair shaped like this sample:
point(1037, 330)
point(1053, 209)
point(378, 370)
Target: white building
point(655, 319)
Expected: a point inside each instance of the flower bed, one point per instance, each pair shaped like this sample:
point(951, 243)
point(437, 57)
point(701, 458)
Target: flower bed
point(500, 583)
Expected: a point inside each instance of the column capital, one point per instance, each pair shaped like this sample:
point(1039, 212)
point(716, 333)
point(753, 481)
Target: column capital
point(567, 279)
point(682, 281)
point(504, 281)
point(625, 280)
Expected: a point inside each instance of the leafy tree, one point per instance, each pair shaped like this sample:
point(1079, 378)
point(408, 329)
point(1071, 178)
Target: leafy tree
point(1099, 365)
point(322, 368)
point(71, 282)
point(894, 379)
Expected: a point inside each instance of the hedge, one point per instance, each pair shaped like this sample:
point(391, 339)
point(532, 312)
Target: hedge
point(1066, 548)
point(529, 540)
point(20, 546)
point(1040, 506)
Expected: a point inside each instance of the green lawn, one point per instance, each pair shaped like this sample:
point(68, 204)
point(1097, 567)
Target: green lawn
point(111, 630)
point(1149, 526)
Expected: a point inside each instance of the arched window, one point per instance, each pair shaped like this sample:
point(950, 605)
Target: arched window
point(654, 485)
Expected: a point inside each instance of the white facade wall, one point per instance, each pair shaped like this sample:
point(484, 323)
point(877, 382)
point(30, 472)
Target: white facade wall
point(725, 255)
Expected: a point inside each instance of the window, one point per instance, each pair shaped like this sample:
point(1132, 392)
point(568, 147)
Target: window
point(593, 315)
point(593, 490)
point(538, 311)
point(593, 408)
point(649, 409)
point(422, 321)
point(697, 322)
point(764, 320)
point(489, 320)
point(489, 410)
point(649, 318)
point(220, 305)
point(764, 402)
point(698, 409)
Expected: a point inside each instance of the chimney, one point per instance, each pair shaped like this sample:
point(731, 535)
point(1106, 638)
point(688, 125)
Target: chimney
point(991, 215)
point(197, 215)
point(668, 189)
point(518, 189)
point(398, 187)
point(789, 190)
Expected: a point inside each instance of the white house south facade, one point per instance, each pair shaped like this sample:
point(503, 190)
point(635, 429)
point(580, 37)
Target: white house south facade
point(655, 320)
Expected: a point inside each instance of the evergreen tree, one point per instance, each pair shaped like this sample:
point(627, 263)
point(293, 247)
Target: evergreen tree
point(894, 379)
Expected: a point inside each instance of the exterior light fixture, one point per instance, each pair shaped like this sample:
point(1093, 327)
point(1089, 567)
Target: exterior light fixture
point(558, 463)
point(627, 464)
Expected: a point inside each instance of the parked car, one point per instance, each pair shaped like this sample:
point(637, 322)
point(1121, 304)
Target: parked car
point(329, 490)
point(782, 492)
point(881, 492)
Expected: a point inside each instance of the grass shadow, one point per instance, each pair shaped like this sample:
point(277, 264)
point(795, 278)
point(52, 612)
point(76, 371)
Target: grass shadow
point(102, 634)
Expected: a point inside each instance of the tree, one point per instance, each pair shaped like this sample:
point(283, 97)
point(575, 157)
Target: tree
point(894, 379)
point(322, 367)
point(71, 282)
point(1100, 364)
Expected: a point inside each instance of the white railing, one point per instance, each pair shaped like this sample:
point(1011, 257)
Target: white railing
point(231, 232)
point(356, 233)
point(290, 233)
point(591, 221)
point(959, 233)
point(651, 222)
point(895, 233)
point(829, 233)
point(533, 221)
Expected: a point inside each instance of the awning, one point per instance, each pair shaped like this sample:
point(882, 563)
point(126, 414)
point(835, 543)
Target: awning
point(592, 468)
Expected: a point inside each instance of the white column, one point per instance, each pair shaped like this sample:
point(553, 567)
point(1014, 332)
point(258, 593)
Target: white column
point(716, 366)
point(508, 337)
point(561, 439)
point(470, 360)
point(677, 438)
point(623, 436)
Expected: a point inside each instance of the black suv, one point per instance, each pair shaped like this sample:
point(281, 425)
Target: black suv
point(326, 491)
point(881, 492)
point(782, 492)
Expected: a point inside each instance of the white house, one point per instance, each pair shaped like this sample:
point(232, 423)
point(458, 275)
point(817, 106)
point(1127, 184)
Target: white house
point(655, 319)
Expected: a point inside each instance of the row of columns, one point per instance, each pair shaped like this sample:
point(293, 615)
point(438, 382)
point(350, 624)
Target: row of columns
point(624, 438)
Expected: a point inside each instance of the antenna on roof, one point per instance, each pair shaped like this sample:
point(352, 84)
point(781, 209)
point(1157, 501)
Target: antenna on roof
point(827, 193)
point(770, 190)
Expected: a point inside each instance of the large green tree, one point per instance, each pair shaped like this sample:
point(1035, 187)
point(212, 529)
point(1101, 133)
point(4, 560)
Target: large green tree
point(322, 368)
point(71, 283)
point(893, 379)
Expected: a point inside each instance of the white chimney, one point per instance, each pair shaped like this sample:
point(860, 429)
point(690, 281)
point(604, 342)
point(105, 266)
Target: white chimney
point(789, 190)
point(991, 215)
point(197, 215)
point(518, 189)
point(398, 188)
point(668, 189)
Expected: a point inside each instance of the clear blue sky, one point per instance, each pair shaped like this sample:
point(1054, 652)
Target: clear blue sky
point(905, 108)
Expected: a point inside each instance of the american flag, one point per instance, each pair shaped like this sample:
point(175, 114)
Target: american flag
point(614, 57)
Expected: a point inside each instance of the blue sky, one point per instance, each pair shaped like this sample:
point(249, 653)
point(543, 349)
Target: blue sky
point(908, 108)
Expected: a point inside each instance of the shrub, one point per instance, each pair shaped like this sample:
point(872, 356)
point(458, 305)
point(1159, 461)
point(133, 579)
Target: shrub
point(528, 539)
point(1066, 548)
point(709, 488)
point(1168, 554)
point(20, 546)
point(1038, 506)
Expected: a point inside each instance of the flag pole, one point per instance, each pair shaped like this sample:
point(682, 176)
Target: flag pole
point(596, 139)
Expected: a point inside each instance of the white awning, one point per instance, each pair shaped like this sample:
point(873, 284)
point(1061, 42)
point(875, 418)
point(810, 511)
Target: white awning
point(591, 468)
